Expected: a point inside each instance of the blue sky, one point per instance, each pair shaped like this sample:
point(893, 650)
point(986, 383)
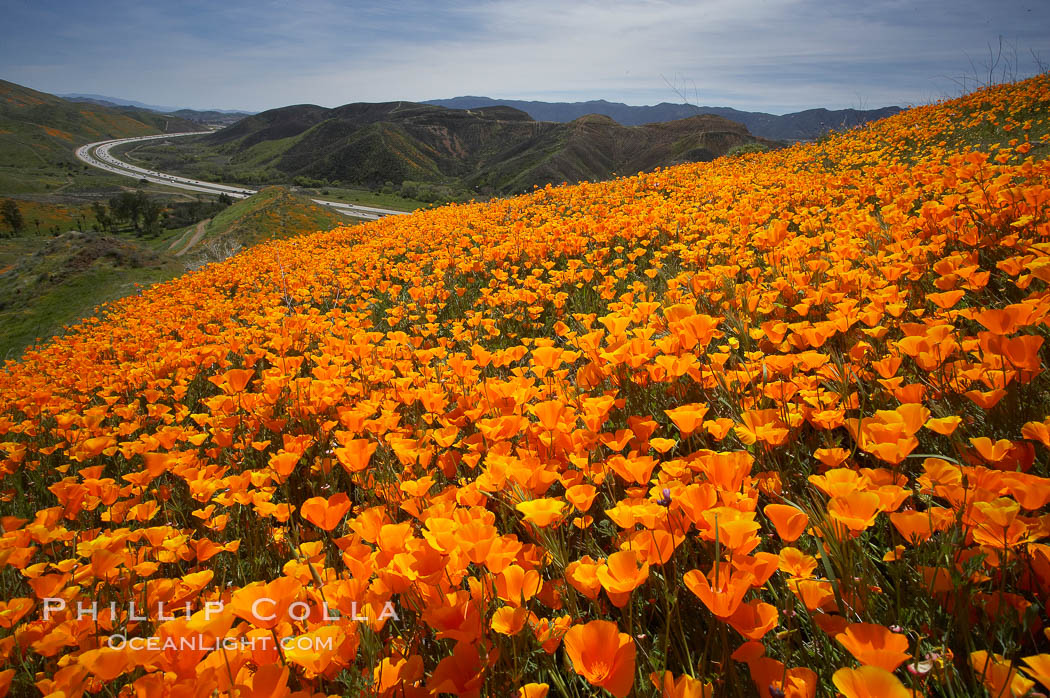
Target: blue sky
point(768, 55)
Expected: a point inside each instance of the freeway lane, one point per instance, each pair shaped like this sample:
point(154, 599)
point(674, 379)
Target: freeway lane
point(98, 155)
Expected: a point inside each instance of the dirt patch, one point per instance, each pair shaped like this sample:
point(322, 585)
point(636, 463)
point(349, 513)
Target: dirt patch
point(82, 250)
point(198, 233)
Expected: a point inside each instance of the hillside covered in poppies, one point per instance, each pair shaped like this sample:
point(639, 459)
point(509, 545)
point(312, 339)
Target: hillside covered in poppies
point(772, 425)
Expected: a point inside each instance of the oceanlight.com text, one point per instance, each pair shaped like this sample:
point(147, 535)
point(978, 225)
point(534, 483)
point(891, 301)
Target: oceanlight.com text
point(206, 643)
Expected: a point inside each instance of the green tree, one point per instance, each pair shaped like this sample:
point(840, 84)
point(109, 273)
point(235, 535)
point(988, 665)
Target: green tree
point(12, 216)
point(123, 208)
point(151, 216)
point(102, 215)
point(136, 209)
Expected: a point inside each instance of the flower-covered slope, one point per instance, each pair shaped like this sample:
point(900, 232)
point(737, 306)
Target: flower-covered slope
point(774, 425)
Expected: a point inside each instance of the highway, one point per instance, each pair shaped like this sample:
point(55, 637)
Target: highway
point(98, 155)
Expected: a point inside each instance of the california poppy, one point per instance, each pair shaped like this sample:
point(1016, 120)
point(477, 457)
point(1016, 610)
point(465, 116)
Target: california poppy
point(603, 655)
point(869, 682)
point(875, 644)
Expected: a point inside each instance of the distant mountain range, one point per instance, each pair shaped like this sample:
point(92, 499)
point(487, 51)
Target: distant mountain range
point(212, 117)
point(118, 101)
point(490, 149)
point(803, 125)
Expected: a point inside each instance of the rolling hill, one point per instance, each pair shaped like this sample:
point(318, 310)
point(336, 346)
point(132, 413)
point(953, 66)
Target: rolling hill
point(490, 149)
point(803, 125)
point(37, 128)
point(273, 213)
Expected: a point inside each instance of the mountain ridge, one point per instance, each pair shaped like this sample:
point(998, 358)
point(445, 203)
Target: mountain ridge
point(494, 149)
point(802, 125)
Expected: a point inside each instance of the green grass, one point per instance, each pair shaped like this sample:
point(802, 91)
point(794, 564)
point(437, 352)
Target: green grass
point(48, 283)
point(62, 306)
point(365, 197)
point(274, 212)
point(263, 153)
point(51, 179)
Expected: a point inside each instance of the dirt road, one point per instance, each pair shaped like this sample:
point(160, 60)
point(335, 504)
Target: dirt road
point(198, 233)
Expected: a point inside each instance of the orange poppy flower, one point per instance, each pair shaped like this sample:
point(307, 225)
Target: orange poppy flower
point(515, 585)
point(392, 672)
point(1000, 677)
point(326, 513)
point(284, 463)
point(945, 426)
point(461, 674)
point(508, 620)
point(265, 605)
point(831, 457)
point(869, 682)
point(319, 649)
point(532, 690)
point(688, 418)
point(991, 452)
point(621, 574)
point(789, 521)
point(603, 655)
point(1038, 667)
point(581, 496)
point(106, 663)
point(355, 454)
point(796, 563)
point(769, 675)
point(856, 511)
point(723, 595)
point(816, 594)
point(582, 574)
point(233, 381)
point(875, 645)
point(754, 619)
point(683, 686)
point(541, 512)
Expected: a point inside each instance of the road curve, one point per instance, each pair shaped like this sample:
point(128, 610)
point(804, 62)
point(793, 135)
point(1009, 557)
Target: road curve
point(98, 155)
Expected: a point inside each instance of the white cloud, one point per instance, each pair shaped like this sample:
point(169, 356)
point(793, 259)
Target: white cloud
point(776, 55)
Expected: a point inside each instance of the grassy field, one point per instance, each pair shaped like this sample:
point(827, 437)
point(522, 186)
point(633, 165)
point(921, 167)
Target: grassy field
point(364, 197)
point(51, 282)
point(273, 213)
